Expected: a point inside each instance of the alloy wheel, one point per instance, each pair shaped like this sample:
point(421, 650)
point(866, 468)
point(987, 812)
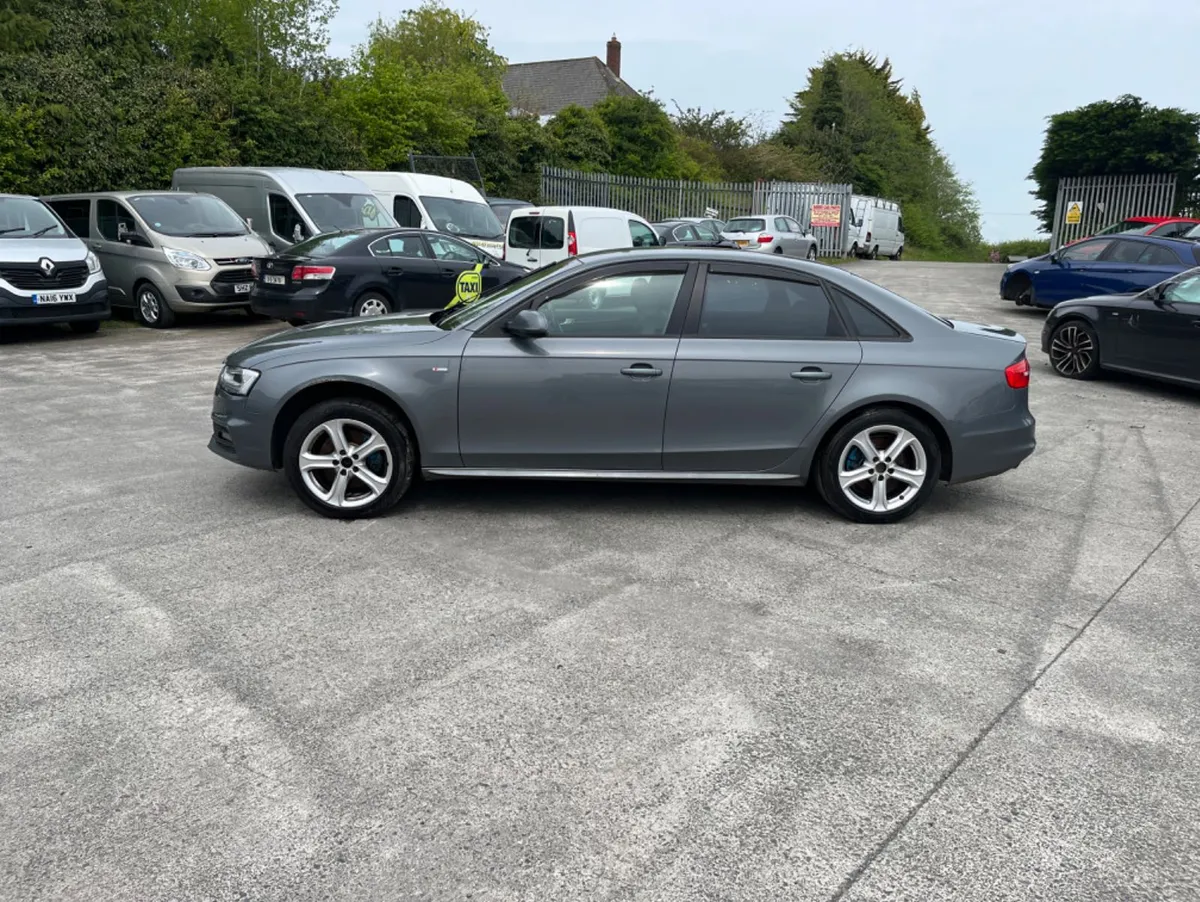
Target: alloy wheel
point(345, 463)
point(148, 306)
point(882, 469)
point(1072, 351)
point(372, 307)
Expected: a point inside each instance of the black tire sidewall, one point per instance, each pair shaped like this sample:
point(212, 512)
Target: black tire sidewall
point(1092, 371)
point(827, 464)
point(371, 295)
point(400, 443)
point(166, 316)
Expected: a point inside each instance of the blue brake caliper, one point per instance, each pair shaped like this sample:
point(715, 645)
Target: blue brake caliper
point(854, 459)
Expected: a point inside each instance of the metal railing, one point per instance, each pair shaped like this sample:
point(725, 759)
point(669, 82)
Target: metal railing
point(1088, 204)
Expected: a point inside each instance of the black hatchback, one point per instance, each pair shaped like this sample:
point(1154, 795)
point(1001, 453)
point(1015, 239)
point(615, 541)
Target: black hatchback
point(367, 272)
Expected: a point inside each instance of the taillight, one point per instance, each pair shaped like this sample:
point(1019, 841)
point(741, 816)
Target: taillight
point(868, 236)
point(572, 244)
point(1017, 374)
point(765, 239)
point(313, 273)
point(254, 268)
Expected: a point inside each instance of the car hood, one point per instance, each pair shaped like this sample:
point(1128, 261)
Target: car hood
point(234, 246)
point(1003, 333)
point(31, 250)
point(360, 336)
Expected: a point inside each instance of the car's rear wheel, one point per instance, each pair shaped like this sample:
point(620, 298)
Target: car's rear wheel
point(853, 250)
point(812, 253)
point(349, 459)
point(1075, 350)
point(152, 310)
point(880, 467)
point(372, 304)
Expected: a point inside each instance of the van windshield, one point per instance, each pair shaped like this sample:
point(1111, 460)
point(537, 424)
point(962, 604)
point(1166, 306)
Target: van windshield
point(335, 212)
point(189, 215)
point(467, 218)
point(24, 217)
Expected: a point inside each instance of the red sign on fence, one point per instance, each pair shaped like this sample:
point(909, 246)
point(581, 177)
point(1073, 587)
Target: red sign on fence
point(826, 216)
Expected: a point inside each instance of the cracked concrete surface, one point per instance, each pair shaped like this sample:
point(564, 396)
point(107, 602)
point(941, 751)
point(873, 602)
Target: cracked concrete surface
point(528, 692)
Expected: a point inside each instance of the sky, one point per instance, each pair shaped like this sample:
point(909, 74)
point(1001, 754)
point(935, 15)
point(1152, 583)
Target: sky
point(989, 73)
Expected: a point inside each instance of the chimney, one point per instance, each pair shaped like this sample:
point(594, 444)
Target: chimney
point(613, 60)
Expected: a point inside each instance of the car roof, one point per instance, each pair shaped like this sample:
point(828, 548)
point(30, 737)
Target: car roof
point(510, 200)
point(18, 197)
point(709, 255)
point(1159, 220)
point(294, 178)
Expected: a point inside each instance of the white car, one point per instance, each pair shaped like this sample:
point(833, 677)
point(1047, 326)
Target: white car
point(771, 234)
point(539, 236)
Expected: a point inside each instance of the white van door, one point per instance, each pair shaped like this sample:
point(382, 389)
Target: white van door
point(535, 240)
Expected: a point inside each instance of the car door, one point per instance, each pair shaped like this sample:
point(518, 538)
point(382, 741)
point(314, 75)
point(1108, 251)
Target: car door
point(1161, 334)
point(785, 236)
point(1073, 272)
point(590, 395)
point(414, 277)
point(763, 356)
point(804, 240)
point(118, 244)
point(536, 240)
point(642, 235)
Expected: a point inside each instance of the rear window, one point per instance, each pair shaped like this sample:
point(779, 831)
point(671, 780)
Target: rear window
point(536, 232)
point(324, 245)
point(746, 225)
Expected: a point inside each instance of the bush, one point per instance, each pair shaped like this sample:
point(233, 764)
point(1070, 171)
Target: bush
point(1025, 247)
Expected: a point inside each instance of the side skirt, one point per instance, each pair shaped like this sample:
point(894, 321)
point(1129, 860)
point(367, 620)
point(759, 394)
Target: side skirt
point(611, 475)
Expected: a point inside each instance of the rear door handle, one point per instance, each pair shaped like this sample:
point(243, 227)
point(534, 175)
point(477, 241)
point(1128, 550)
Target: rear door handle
point(394, 271)
point(643, 370)
point(812, 374)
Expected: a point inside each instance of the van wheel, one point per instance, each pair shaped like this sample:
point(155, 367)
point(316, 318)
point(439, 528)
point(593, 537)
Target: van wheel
point(874, 255)
point(899, 252)
point(372, 304)
point(853, 250)
point(151, 309)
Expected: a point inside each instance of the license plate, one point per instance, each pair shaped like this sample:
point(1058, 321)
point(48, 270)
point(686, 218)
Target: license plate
point(741, 243)
point(275, 280)
point(243, 287)
point(54, 297)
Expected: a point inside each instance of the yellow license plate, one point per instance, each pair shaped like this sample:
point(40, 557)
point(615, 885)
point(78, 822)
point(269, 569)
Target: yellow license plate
point(741, 243)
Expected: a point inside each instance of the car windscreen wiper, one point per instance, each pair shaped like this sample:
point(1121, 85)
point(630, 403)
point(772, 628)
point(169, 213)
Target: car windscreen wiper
point(41, 232)
point(14, 229)
point(216, 234)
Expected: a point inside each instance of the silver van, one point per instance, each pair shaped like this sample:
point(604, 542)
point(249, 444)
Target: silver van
point(47, 275)
point(165, 252)
point(286, 205)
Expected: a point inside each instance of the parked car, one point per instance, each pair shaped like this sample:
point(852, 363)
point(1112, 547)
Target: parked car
point(166, 252)
point(708, 224)
point(47, 275)
point(771, 234)
point(1158, 226)
point(544, 235)
point(286, 206)
point(876, 227)
point(1154, 333)
point(503, 207)
point(1110, 265)
point(368, 272)
point(441, 204)
point(684, 364)
point(688, 234)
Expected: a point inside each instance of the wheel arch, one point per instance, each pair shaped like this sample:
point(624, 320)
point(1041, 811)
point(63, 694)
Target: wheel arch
point(926, 416)
point(328, 390)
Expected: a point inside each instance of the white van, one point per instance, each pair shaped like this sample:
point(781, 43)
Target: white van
point(285, 205)
point(538, 236)
point(437, 203)
point(876, 228)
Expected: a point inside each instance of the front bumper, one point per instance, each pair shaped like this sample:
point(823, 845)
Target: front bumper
point(238, 435)
point(91, 303)
point(216, 292)
point(997, 448)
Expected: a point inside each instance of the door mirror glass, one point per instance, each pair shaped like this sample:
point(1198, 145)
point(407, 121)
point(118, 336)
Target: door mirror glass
point(528, 324)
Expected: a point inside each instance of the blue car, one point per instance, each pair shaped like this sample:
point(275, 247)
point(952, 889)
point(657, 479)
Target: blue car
point(1113, 264)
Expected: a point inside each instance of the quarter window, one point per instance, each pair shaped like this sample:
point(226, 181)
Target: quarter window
point(706, 231)
point(76, 214)
point(624, 306)
point(285, 221)
point(1154, 255)
point(685, 233)
point(745, 306)
point(1125, 252)
point(867, 323)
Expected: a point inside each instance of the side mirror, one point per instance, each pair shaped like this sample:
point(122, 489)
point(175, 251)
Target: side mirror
point(297, 234)
point(528, 324)
point(1053, 257)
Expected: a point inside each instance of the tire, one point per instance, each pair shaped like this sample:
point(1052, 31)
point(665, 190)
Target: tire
point(150, 308)
point(812, 253)
point(899, 253)
point(859, 448)
point(85, 327)
point(779, 251)
point(1075, 350)
point(874, 255)
point(372, 304)
point(297, 323)
point(853, 250)
point(354, 421)
point(255, 317)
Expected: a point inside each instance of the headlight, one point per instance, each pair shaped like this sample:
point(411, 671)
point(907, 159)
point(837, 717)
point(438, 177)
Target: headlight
point(93, 262)
point(186, 260)
point(237, 380)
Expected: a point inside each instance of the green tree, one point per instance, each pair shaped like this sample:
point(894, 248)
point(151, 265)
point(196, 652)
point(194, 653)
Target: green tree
point(644, 142)
point(1116, 137)
point(581, 139)
point(510, 151)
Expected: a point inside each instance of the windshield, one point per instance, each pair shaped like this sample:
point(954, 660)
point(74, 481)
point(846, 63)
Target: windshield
point(466, 314)
point(468, 218)
point(1193, 232)
point(745, 225)
point(1128, 227)
point(189, 215)
point(323, 245)
point(25, 217)
point(334, 212)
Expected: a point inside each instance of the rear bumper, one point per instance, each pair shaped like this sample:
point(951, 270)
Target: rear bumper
point(18, 308)
point(997, 449)
point(310, 305)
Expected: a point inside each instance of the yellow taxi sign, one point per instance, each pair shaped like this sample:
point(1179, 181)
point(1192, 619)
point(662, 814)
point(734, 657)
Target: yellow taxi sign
point(468, 286)
point(1074, 212)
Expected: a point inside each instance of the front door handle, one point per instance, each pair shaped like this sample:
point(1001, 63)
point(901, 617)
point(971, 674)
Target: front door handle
point(643, 370)
point(812, 374)
point(395, 270)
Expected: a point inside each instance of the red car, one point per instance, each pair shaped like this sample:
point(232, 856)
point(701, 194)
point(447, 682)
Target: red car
point(1158, 226)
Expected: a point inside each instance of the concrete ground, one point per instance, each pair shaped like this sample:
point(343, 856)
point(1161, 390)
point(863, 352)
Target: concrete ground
point(559, 692)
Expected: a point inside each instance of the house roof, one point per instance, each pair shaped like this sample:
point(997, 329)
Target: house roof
point(545, 88)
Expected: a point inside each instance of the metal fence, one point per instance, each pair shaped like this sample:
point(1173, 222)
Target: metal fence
point(659, 199)
point(465, 169)
point(1088, 204)
point(797, 200)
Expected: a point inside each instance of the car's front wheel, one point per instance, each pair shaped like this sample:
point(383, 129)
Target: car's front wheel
point(1075, 350)
point(880, 467)
point(812, 253)
point(349, 459)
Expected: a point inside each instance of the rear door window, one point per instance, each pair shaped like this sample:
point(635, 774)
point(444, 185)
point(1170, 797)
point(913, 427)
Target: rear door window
point(399, 246)
point(781, 224)
point(1156, 255)
point(77, 214)
point(449, 249)
point(1125, 252)
point(740, 305)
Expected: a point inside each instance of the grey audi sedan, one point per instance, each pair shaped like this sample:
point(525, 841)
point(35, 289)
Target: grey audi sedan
point(667, 364)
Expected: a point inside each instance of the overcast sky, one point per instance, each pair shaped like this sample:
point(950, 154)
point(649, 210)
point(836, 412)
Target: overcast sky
point(989, 73)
